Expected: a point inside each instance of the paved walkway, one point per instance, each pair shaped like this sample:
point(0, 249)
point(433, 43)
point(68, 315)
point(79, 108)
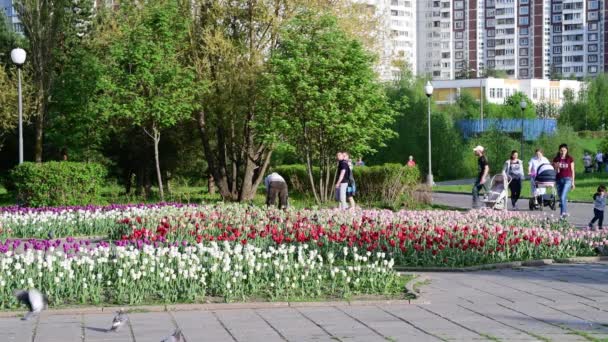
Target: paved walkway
point(552, 303)
point(580, 213)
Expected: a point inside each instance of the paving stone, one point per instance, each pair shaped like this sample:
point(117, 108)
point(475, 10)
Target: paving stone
point(340, 325)
point(387, 325)
point(247, 325)
point(14, 329)
point(199, 324)
point(59, 328)
point(293, 325)
point(432, 324)
point(151, 326)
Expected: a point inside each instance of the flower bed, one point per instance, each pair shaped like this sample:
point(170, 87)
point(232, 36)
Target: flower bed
point(80, 273)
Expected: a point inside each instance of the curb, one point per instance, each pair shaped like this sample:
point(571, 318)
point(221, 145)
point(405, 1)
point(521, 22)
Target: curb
point(503, 265)
point(522, 197)
point(410, 286)
point(207, 307)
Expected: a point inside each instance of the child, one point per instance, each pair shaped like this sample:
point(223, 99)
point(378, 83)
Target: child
point(599, 203)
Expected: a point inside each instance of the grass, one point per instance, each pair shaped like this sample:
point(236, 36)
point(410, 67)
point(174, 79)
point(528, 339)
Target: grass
point(586, 186)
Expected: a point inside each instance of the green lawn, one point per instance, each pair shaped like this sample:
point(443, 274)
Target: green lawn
point(586, 185)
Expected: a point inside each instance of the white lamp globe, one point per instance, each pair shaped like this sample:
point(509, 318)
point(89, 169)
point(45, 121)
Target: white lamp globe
point(428, 88)
point(18, 56)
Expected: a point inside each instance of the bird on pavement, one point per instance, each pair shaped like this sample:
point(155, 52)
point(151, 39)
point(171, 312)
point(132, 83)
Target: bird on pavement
point(119, 321)
point(176, 337)
point(35, 301)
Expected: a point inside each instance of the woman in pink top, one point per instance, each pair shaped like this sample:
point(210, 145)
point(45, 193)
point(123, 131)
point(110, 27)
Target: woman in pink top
point(564, 166)
point(411, 162)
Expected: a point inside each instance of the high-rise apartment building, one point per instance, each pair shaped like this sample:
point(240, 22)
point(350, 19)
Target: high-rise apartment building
point(12, 18)
point(520, 38)
point(396, 35)
point(578, 37)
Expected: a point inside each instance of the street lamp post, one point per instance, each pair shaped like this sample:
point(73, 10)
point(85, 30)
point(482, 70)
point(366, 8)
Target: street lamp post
point(428, 89)
point(523, 104)
point(18, 57)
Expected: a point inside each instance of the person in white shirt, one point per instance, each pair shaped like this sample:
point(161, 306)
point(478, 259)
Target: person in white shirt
point(276, 186)
point(587, 162)
point(599, 161)
point(533, 165)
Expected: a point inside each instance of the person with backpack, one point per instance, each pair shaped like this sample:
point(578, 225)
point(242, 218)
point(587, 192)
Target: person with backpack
point(514, 169)
point(352, 186)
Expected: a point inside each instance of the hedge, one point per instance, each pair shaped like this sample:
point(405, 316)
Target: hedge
point(57, 183)
point(387, 184)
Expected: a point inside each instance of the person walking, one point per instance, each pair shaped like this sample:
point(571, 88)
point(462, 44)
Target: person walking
point(588, 162)
point(599, 161)
point(343, 177)
point(514, 170)
point(536, 161)
point(360, 162)
point(411, 162)
point(480, 181)
point(564, 166)
point(276, 186)
point(352, 186)
point(599, 204)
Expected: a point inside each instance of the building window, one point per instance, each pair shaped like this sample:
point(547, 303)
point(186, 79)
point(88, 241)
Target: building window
point(490, 23)
point(523, 72)
point(592, 69)
point(523, 51)
point(592, 37)
point(557, 28)
point(459, 25)
point(459, 55)
point(458, 4)
point(459, 35)
point(459, 45)
point(593, 5)
point(557, 50)
point(592, 26)
point(523, 21)
point(592, 58)
point(523, 62)
point(593, 16)
point(524, 10)
point(492, 93)
point(523, 31)
point(459, 15)
point(592, 47)
point(499, 93)
point(557, 39)
point(491, 33)
point(557, 18)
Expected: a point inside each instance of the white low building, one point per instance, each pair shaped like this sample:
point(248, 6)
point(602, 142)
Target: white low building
point(496, 90)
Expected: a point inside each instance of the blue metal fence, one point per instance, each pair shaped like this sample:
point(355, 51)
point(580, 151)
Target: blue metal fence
point(533, 128)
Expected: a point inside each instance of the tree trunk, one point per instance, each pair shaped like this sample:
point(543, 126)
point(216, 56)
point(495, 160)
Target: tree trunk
point(39, 133)
point(156, 138)
point(211, 185)
point(213, 166)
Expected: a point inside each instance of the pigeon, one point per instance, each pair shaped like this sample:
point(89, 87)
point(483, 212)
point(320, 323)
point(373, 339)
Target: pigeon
point(34, 300)
point(119, 320)
point(51, 235)
point(176, 337)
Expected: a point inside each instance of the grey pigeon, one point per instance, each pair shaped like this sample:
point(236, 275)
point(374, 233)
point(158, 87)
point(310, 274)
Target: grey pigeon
point(34, 300)
point(176, 337)
point(119, 320)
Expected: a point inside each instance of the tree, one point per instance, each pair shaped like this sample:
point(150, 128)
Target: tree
point(43, 22)
point(326, 89)
point(144, 80)
point(512, 107)
point(597, 101)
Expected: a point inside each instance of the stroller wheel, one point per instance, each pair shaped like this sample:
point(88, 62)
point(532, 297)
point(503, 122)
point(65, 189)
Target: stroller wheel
point(531, 204)
point(552, 203)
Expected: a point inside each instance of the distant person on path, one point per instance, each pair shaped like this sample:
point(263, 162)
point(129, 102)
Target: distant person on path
point(360, 162)
point(411, 162)
point(276, 186)
point(588, 162)
point(514, 169)
point(564, 166)
point(599, 161)
point(343, 177)
point(352, 186)
point(599, 204)
point(536, 161)
point(484, 170)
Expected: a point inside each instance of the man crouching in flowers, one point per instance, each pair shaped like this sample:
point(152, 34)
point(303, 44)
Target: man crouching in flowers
point(276, 186)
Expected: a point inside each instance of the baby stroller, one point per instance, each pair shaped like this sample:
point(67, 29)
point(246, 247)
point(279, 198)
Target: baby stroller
point(497, 197)
point(545, 180)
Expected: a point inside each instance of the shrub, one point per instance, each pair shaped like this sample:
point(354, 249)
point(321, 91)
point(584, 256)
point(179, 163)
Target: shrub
point(386, 184)
point(57, 183)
